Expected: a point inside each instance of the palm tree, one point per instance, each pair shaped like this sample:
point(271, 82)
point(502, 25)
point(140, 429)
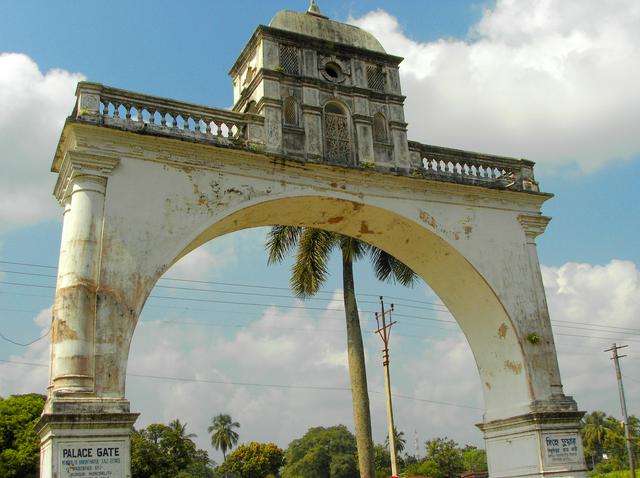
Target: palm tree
point(399, 439)
point(178, 440)
point(594, 430)
point(309, 272)
point(223, 435)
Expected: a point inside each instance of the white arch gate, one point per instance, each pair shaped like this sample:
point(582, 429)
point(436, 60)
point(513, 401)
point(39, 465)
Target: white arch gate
point(144, 180)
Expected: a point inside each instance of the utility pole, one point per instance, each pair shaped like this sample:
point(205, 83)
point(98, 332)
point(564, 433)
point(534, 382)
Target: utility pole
point(384, 331)
point(627, 433)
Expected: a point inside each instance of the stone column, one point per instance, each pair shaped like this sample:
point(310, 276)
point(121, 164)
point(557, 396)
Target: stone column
point(80, 430)
point(546, 441)
point(74, 310)
point(544, 351)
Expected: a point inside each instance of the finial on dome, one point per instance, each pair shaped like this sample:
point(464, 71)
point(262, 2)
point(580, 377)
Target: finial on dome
point(314, 10)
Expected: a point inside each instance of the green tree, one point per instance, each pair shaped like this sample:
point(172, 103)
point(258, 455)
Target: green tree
point(253, 460)
point(309, 272)
point(382, 461)
point(593, 430)
point(474, 459)
point(162, 451)
point(19, 444)
point(444, 458)
point(223, 435)
point(322, 453)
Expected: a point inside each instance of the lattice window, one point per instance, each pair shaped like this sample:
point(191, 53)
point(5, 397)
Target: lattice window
point(290, 112)
point(379, 128)
point(375, 78)
point(337, 135)
point(289, 59)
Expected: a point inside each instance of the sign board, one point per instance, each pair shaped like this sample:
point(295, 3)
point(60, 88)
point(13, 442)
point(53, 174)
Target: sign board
point(561, 449)
point(91, 459)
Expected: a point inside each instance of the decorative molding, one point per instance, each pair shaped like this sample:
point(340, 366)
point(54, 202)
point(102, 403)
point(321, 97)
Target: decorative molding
point(77, 163)
point(533, 226)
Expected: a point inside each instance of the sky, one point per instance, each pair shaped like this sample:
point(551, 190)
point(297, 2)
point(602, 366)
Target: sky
point(551, 81)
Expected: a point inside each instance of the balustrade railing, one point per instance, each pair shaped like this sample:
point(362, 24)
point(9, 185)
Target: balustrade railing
point(137, 112)
point(469, 167)
point(115, 107)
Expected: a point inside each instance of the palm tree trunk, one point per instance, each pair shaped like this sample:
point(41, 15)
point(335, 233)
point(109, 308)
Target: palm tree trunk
point(357, 374)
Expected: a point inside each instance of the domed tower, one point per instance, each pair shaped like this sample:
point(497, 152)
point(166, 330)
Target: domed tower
point(325, 92)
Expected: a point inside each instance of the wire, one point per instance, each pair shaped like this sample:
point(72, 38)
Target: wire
point(556, 323)
point(262, 385)
point(230, 284)
point(4, 337)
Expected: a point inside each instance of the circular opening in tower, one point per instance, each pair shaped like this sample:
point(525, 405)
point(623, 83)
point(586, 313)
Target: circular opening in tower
point(332, 70)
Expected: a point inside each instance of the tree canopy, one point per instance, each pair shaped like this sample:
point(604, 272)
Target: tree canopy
point(321, 453)
point(253, 460)
point(19, 444)
point(167, 451)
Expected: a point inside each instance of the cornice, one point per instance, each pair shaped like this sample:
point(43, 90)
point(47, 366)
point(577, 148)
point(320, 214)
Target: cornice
point(533, 225)
point(181, 152)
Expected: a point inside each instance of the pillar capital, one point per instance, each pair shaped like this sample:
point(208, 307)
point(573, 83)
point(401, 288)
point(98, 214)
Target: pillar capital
point(533, 225)
point(76, 164)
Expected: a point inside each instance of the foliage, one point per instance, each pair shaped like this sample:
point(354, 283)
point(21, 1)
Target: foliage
point(19, 444)
point(382, 461)
point(603, 436)
point(253, 460)
point(474, 459)
point(322, 453)
point(399, 439)
point(444, 460)
point(167, 451)
point(223, 435)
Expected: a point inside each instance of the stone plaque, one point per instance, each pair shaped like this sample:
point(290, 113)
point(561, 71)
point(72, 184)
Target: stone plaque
point(561, 449)
point(92, 459)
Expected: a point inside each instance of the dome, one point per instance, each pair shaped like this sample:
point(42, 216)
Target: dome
point(318, 26)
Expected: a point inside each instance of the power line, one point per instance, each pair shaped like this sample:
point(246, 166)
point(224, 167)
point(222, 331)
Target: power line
point(4, 337)
point(261, 385)
point(556, 323)
point(231, 292)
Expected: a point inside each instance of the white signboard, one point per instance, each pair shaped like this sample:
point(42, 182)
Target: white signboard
point(91, 460)
point(561, 449)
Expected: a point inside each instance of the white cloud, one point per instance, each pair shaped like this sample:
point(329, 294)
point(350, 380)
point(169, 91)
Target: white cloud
point(210, 259)
point(550, 80)
point(16, 378)
point(34, 107)
point(603, 305)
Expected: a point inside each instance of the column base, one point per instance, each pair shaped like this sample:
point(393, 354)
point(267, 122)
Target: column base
point(85, 445)
point(538, 444)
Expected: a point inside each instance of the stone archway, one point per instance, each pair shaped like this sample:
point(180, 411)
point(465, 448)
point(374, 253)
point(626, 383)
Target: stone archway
point(474, 247)
point(143, 180)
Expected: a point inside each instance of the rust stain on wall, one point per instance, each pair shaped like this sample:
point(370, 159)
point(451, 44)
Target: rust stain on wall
point(428, 218)
point(513, 366)
point(502, 330)
point(62, 331)
point(364, 228)
point(335, 220)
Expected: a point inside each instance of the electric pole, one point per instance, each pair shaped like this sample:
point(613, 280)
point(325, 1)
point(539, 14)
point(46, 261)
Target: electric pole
point(384, 331)
point(627, 433)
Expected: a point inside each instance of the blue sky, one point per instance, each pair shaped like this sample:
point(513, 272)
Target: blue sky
point(547, 80)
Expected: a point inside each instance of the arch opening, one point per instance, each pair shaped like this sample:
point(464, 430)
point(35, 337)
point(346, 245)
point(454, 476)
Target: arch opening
point(474, 305)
